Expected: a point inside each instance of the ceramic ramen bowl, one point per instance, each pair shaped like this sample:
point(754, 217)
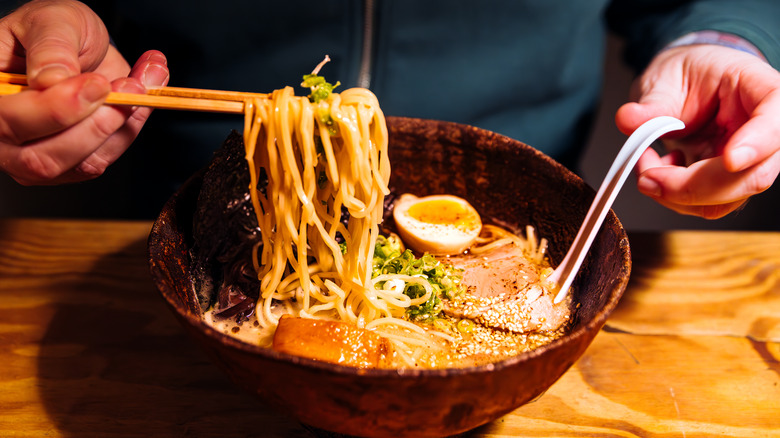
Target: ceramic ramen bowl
point(505, 180)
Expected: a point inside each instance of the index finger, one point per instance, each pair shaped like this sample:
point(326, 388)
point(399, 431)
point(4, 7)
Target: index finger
point(34, 114)
point(706, 182)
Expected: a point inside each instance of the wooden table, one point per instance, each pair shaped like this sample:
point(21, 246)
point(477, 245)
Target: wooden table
point(88, 348)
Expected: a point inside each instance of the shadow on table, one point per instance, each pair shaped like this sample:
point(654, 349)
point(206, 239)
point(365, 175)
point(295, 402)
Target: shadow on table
point(646, 253)
point(114, 361)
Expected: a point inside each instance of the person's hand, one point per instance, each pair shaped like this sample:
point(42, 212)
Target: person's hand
point(58, 130)
point(730, 147)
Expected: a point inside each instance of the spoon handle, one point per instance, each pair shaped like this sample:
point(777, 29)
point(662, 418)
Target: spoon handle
point(629, 154)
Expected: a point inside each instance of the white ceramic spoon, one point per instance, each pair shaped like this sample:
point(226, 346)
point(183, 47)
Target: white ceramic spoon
point(629, 154)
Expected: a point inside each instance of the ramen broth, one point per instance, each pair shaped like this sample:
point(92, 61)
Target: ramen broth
point(505, 309)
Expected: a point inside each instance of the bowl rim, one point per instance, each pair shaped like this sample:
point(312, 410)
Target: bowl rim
point(196, 321)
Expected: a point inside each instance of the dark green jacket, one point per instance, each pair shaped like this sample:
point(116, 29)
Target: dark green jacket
point(528, 69)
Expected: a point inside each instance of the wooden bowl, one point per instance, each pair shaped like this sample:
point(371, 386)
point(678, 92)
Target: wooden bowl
point(504, 179)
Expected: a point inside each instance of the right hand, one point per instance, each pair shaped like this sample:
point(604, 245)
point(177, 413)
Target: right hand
point(730, 148)
point(59, 131)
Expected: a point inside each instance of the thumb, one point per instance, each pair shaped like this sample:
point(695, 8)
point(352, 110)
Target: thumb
point(56, 42)
point(656, 100)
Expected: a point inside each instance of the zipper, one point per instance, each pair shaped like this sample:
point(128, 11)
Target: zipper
point(366, 57)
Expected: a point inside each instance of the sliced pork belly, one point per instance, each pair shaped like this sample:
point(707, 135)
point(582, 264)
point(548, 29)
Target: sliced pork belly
point(503, 291)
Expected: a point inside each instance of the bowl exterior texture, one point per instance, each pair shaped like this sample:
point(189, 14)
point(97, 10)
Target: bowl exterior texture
point(506, 181)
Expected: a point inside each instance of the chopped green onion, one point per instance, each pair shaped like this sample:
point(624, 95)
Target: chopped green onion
point(443, 278)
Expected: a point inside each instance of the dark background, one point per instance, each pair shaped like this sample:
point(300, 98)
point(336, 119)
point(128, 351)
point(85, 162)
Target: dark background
point(637, 212)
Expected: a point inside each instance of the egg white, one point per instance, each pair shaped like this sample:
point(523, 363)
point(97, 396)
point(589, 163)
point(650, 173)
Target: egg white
point(436, 238)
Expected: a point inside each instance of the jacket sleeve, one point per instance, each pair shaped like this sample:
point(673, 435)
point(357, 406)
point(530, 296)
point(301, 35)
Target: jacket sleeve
point(649, 25)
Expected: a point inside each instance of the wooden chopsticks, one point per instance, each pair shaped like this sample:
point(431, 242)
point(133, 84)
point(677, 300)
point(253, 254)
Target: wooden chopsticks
point(175, 98)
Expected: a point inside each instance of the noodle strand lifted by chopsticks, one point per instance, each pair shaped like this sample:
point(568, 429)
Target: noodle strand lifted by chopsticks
point(318, 158)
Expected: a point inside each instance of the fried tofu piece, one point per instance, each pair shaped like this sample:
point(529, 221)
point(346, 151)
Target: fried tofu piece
point(332, 341)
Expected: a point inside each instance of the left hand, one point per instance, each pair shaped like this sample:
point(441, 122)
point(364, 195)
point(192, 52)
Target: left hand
point(730, 148)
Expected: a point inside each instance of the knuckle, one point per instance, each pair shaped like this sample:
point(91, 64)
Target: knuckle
point(92, 167)
point(761, 180)
point(63, 116)
point(38, 167)
point(712, 212)
point(10, 134)
point(687, 196)
point(100, 130)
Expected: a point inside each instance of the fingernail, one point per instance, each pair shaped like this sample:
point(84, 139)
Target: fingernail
point(742, 157)
point(93, 91)
point(154, 75)
point(158, 58)
point(649, 187)
point(51, 74)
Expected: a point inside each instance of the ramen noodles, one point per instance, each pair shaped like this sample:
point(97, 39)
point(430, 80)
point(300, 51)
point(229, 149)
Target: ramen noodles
point(446, 290)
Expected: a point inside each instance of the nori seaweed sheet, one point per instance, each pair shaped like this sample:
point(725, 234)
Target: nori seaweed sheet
point(225, 228)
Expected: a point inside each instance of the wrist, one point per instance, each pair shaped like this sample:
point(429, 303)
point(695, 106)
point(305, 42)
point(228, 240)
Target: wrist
point(716, 38)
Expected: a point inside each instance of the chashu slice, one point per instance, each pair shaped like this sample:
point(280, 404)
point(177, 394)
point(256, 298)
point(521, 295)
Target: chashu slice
point(503, 291)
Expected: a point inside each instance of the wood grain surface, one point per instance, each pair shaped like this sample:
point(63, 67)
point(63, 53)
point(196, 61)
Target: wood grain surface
point(88, 348)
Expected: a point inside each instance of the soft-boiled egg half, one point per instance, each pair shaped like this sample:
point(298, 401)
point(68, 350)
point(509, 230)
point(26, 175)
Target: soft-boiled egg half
point(437, 224)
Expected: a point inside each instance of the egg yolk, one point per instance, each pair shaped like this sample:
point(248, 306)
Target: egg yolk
point(437, 224)
point(442, 211)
